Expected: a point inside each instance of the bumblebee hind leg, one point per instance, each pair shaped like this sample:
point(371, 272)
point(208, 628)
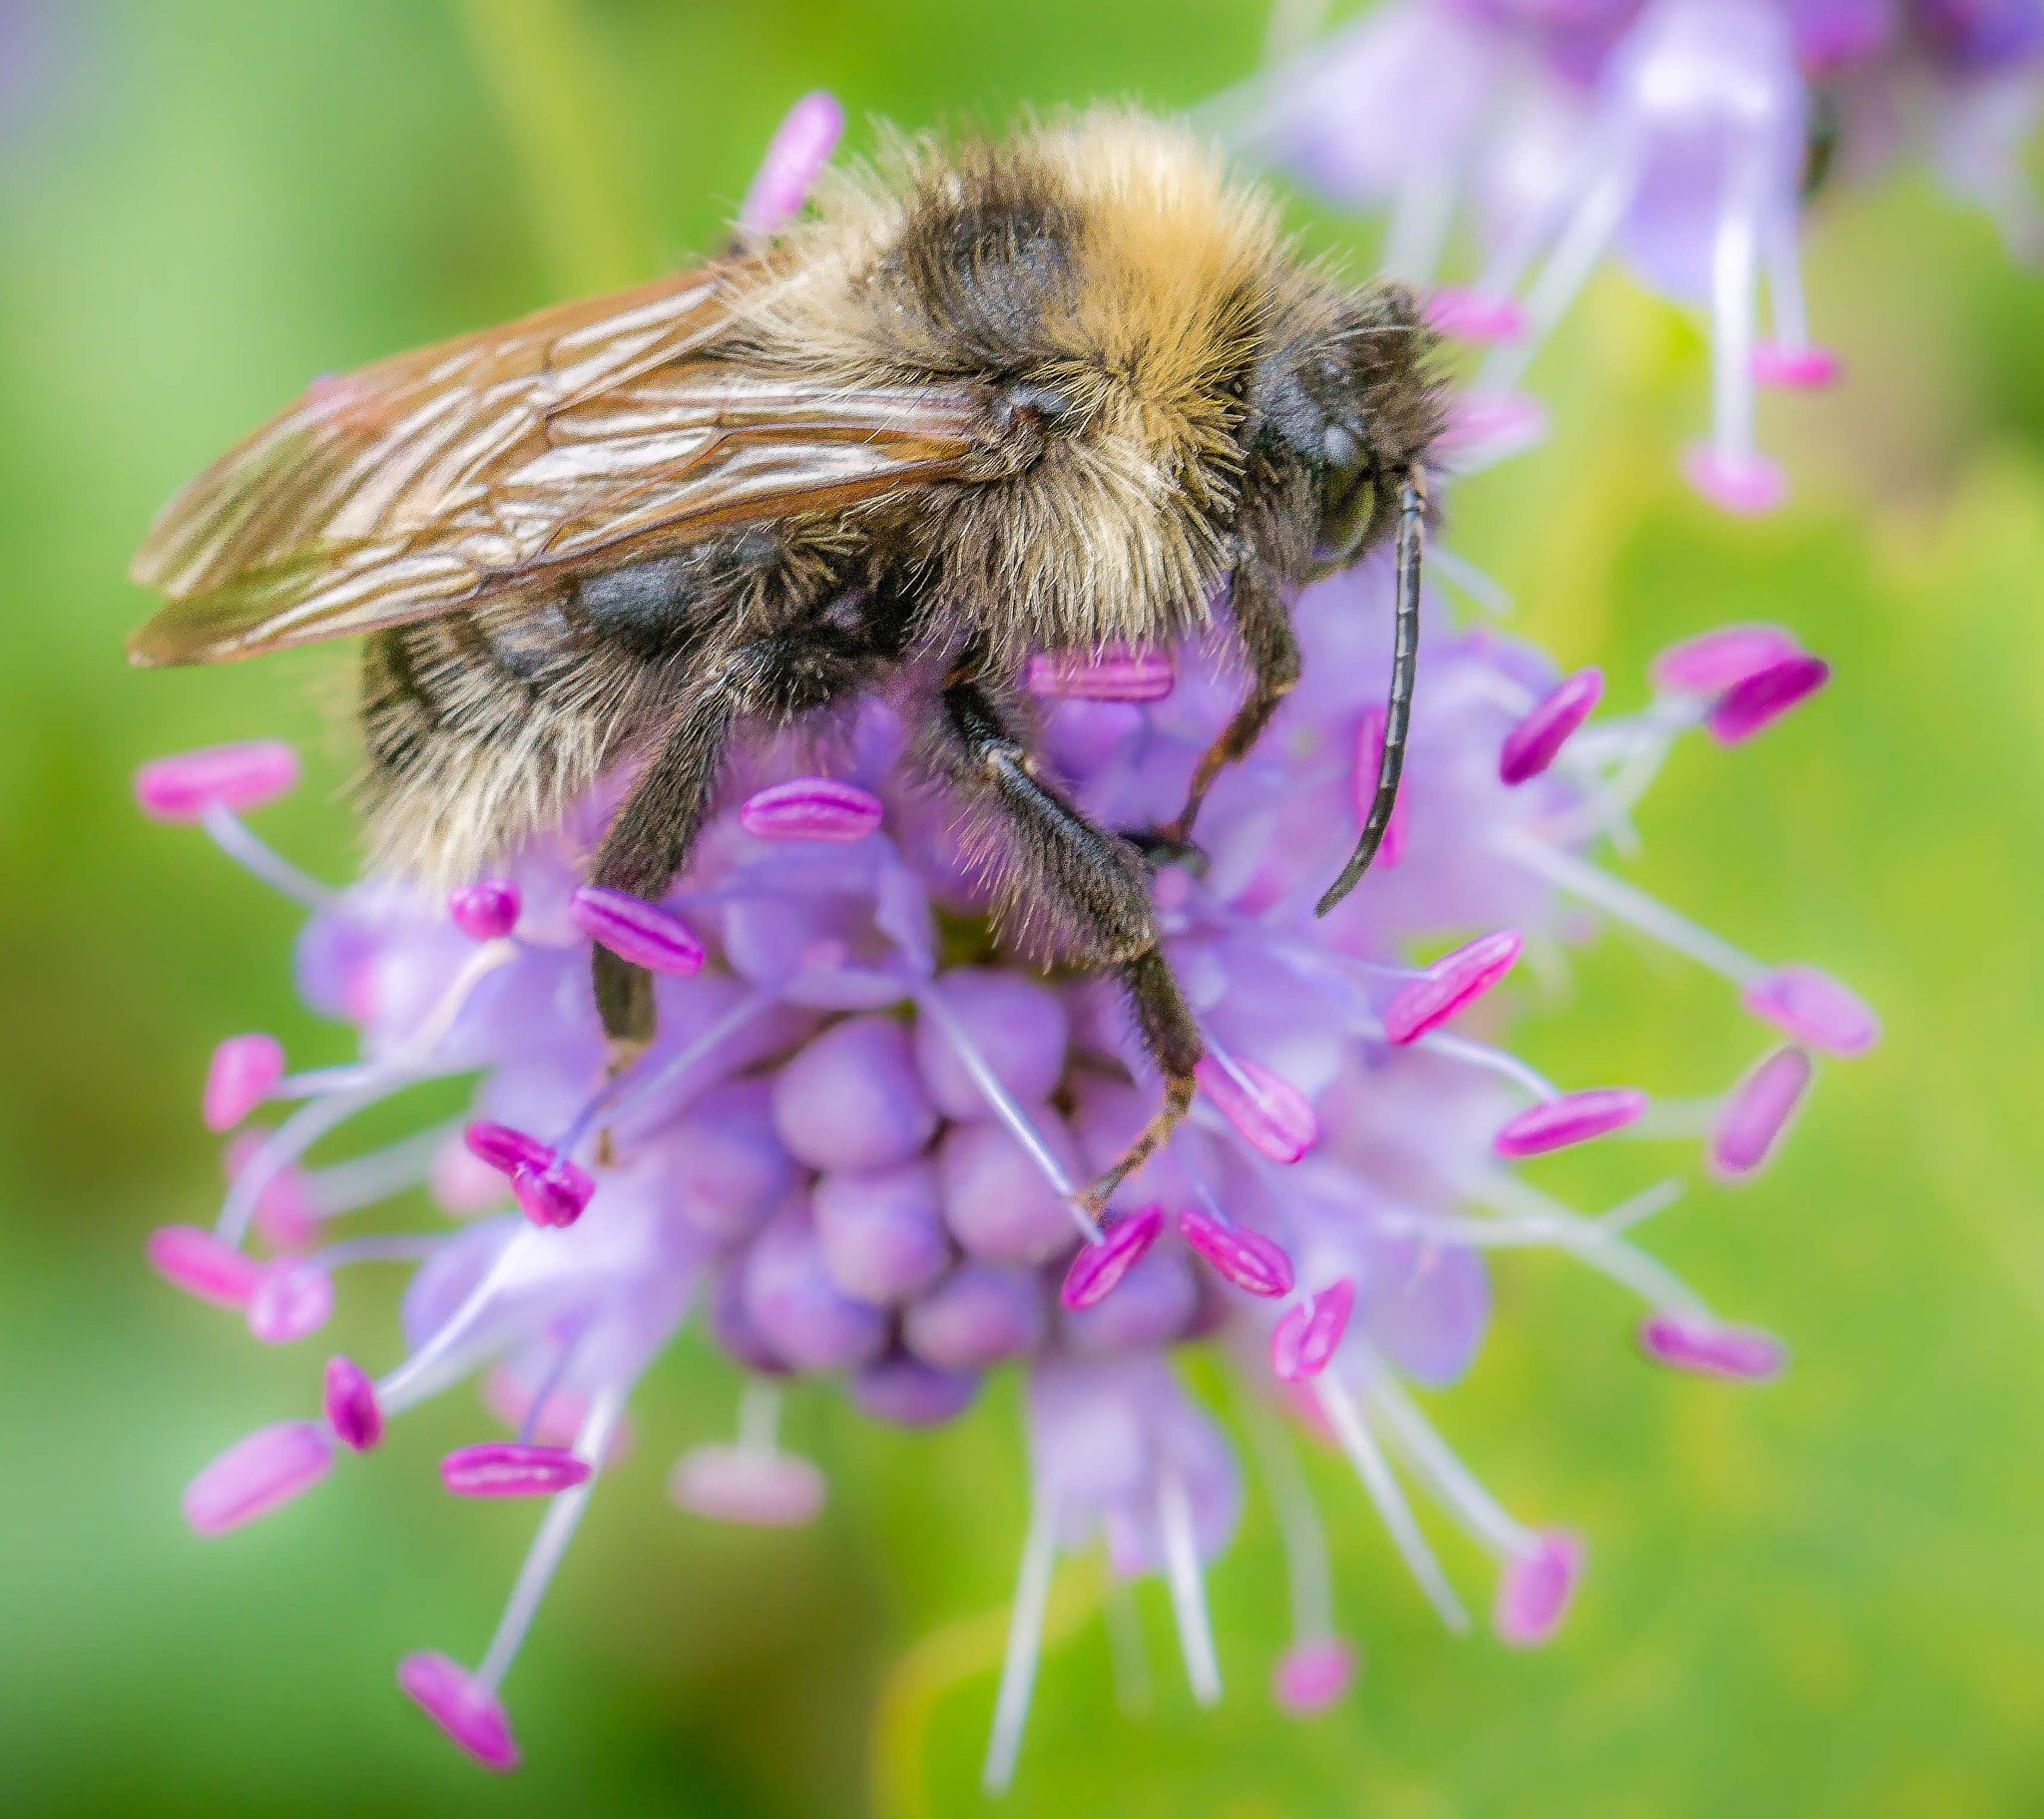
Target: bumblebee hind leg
point(1058, 867)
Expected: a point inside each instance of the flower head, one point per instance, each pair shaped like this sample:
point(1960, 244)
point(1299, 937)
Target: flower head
point(853, 1150)
point(859, 1162)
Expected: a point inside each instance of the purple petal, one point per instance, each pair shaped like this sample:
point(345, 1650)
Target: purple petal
point(255, 1475)
point(1312, 1675)
point(1715, 661)
point(202, 1265)
point(636, 930)
point(978, 1316)
point(507, 1468)
point(852, 1098)
point(290, 1300)
point(1427, 1306)
point(912, 1394)
point(1246, 1258)
point(350, 1404)
point(1686, 1342)
point(1536, 742)
point(182, 788)
point(727, 1164)
point(747, 1485)
point(468, 1714)
point(1306, 1338)
point(1575, 1118)
point(1116, 673)
point(1273, 1113)
point(1758, 1112)
point(812, 808)
point(1815, 1008)
point(1017, 1025)
point(1752, 705)
point(1098, 1268)
point(487, 911)
point(881, 1233)
point(800, 1313)
point(1536, 1588)
point(998, 1202)
point(239, 1078)
point(1453, 981)
point(1158, 1302)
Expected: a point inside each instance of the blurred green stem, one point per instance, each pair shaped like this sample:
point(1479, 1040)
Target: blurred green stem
point(562, 113)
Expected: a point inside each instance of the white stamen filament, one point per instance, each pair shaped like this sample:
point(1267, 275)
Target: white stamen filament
point(618, 1096)
point(543, 1391)
point(1576, 252)
point(453, 1001)
point(1420, 213)
point(1187, 1593)
point(1676, 1117)
point(758, 1416)
point(1785, 311)
point(1733, 260)
point(1025, 1644)
point(1466, 578)
point(1459, 1489)
point(1481, 1055)
point(1588, 1240)
point(1396, 1514)
point(377, 1080)
point(450, 1354)
point(362, 1180)
point(389, 1247)
point(1507, 1233)
point(548, 1546)
point(1621, 901)
point(1004, 1107)
point(231, 834)
point(1298, 1520)
point(286, 1143)
point(1134, 1692)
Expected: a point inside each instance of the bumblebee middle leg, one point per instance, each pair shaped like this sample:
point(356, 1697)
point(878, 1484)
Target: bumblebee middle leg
point(1263, 625)
point(1095, 887)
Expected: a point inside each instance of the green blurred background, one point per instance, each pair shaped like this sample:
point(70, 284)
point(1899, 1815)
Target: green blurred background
point(1827, 1596)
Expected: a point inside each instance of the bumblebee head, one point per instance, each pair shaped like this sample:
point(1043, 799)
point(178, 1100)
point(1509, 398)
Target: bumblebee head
point(1356, 405)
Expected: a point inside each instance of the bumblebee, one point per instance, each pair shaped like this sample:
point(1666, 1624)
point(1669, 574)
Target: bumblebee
point(990, 398)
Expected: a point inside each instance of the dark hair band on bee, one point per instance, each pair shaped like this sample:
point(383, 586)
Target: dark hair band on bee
point(1398, 704)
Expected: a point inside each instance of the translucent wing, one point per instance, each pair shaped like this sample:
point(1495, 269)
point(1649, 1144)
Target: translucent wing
point(586, 434)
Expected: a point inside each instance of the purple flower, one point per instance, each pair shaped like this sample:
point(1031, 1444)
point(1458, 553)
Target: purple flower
point(849, 1160)
point(1681, 136)
point(861, 1164)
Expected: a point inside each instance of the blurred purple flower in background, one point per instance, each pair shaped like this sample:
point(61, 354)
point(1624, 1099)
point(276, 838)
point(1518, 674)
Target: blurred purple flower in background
point(853, 1152)
point(1686, 136)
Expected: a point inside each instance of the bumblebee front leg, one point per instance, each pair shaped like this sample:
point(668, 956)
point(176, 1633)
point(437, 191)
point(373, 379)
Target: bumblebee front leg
point(1092, 885)
point(1263, 625)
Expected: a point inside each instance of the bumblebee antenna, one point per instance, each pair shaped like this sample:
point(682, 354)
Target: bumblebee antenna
point(1398, 707)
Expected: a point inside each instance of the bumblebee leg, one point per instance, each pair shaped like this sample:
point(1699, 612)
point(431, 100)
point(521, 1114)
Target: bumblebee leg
point(1264, 624)
point(1095, 886)
point(649, 841)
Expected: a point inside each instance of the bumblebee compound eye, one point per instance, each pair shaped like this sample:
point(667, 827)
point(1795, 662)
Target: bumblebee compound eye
point(1349, 501)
